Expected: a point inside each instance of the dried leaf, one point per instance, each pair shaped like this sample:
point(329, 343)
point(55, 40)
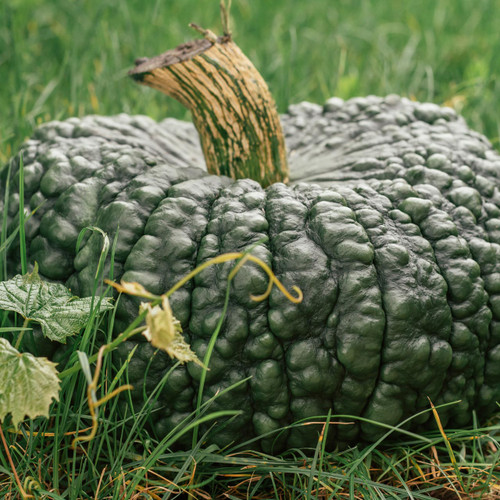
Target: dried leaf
point(164, 331)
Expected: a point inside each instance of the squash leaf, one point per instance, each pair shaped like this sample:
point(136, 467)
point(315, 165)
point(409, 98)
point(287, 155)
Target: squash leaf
point(164, 331)
point(59, 313)
point(27, 384)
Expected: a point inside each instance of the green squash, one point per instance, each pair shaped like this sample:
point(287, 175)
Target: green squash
point(390, 226)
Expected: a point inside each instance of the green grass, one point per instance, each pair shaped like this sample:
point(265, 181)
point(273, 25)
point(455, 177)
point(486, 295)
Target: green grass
point(65, 58)
point(124, 461)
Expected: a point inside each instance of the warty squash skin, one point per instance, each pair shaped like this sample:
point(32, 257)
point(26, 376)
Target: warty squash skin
point(390, 226)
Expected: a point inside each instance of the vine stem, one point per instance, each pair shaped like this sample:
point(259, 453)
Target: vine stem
point(21, 335)
point(92, 400)
point(225, 257)
point(135, 327)
point(9, 457)
point(132, 330)
point(225, 19)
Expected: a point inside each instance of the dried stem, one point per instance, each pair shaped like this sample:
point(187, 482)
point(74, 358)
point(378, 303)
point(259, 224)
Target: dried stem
point(232, 108)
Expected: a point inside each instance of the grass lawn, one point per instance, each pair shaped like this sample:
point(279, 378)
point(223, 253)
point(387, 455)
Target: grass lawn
point(60, 58)
point(65, 58)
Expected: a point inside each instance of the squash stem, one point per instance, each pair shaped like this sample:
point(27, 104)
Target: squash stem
point(231, 106)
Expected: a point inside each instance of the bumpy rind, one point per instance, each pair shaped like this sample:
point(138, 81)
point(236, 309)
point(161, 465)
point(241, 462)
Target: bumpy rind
point(390, 226)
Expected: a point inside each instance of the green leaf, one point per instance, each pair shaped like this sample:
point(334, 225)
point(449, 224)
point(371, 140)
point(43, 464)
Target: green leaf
point(164, 331)
point(27, 384)
point(50, 304)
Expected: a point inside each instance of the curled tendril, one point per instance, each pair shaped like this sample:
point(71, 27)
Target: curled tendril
point(243, 257)
point(275, 281)
point(30, 485)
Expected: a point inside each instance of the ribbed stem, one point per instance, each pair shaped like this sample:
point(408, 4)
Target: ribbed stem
point(232, 108)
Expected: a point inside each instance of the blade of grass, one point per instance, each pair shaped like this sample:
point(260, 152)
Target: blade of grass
point(22, 231)
point(3, 230)
point(215, 334)
point(206, 360)
point(167, 442)
point(446, 440)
